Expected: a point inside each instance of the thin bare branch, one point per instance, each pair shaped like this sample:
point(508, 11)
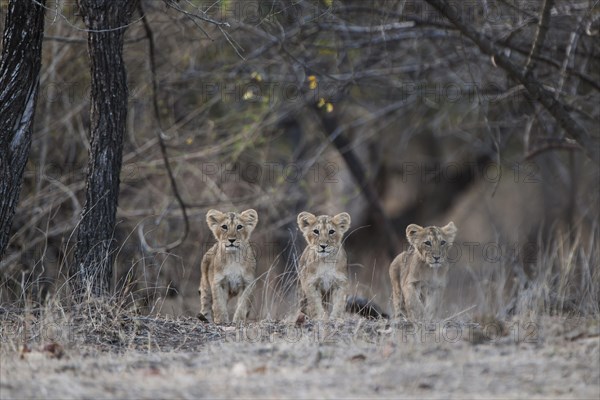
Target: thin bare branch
point(540, 35)
point(163, 148)
point(537, 91)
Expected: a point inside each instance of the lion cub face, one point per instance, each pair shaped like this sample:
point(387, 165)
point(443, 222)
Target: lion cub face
point(323, 233)
point(232, 230)
point(431, 243)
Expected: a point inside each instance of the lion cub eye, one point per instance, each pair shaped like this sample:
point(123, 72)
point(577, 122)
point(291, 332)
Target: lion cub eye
point(239, 227)
point(316, 231)
point(427, 243)
point(443, 242)
point(331, 231)
point(224, 227)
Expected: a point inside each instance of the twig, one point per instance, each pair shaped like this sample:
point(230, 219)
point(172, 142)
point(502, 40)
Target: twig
point(193, 17)
point(537, 91)
point(574, 38)
point(485, 117)
point(66, 39)
point(540, 36)
point(163, 148)
point(459, 313)
point(553, 146)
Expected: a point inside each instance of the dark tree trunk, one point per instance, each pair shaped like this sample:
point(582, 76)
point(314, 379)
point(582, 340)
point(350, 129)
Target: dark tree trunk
point(344, 147)
point(19, 83)
point(107, 21)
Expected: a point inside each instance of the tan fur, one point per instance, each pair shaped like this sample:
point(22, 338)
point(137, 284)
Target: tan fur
point(418, 279)
point(229, 266)
point(323, 266)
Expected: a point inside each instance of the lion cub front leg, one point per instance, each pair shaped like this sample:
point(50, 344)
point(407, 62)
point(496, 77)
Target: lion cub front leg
point(396, 287)
point(205, 298)
point(220, 297)
point(338, 299)
point(243, 305)
point(433, 300)
point(414, 304)
point(205, 290)
point(314, 302)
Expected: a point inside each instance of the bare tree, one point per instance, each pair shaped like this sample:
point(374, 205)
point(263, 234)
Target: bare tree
point(19, 83)
point(415, 103)
point(538, 92)
point(106, 21)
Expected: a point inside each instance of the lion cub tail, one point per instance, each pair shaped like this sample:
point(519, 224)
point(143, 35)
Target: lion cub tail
point(364, 307)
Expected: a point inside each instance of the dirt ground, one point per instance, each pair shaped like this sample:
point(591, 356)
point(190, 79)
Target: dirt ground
point(124, 356)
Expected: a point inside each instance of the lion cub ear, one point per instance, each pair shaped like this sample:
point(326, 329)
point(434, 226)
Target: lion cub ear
point(412, 231)
point(250, 218)
point(213, 219)
point(342, 221)
point(450, 231)
point(305, 219)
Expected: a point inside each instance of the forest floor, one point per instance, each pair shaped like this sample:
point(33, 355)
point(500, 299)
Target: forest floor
point(116, 355)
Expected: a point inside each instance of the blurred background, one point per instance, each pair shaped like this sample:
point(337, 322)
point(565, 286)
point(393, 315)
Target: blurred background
point(382, 109)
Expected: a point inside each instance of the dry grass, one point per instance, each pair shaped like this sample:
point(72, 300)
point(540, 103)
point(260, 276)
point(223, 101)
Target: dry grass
point(98, 352)
point(538, 338)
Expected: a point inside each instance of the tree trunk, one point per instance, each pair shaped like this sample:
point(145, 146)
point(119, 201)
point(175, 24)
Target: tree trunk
point(107, 21)
point(344, 148)
point(19, 83)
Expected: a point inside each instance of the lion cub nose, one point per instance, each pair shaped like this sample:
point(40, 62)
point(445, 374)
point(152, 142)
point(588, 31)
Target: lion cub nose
point(231, 241)
point(323, 246)
point(436, 258)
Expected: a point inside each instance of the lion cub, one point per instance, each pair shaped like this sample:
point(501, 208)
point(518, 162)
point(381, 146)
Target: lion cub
point(229, 266)
point(418, 275)
point(323, 267)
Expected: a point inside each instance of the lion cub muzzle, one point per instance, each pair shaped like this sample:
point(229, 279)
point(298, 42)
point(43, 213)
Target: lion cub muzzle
point(231, 245)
